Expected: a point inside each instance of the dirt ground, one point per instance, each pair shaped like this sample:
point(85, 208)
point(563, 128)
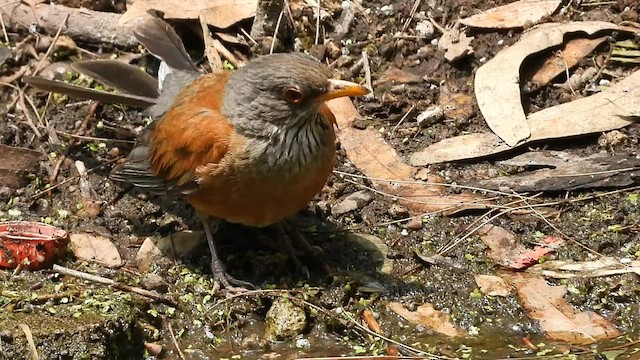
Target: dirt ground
point(75, 319)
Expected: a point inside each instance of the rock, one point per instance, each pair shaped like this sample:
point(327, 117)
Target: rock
point(415, 223)
point(377, 246)
point(387, 10)
point(176, 245)
point(352, 202)
point(398, 211)
point(425, 28)
point(430, 116)
point(152, 281)
point(284, 320)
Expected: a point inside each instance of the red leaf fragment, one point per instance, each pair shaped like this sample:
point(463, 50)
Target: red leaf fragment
point(30, 244)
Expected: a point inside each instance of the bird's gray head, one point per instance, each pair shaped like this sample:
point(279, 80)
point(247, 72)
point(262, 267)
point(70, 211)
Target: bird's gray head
point(281, 91)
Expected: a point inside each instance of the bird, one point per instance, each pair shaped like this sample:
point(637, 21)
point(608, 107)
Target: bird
point(250, 147)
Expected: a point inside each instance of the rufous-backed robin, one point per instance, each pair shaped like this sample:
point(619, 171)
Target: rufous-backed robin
point(251, 147)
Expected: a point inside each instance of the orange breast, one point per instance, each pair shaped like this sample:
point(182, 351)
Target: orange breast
point(236, 191)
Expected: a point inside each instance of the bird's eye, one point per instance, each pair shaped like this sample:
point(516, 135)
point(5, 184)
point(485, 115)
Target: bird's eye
point(293, 95)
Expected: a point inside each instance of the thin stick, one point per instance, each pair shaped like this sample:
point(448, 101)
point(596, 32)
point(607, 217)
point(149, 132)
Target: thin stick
point(318, 24)
point(248, 36)
point(403, 118)
point(275, 32)
point(414, 8)
point(32, 345)
point(91, 138)
point(367, 73)
point(53, 42)
point(4, 29)
point(175, 342)
point(103, 280)
point(227, 54)
point(210, 50)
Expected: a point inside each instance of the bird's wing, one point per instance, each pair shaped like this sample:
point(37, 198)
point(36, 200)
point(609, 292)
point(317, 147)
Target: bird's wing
point(191, 133)
point(86, 93)
point(124, 77)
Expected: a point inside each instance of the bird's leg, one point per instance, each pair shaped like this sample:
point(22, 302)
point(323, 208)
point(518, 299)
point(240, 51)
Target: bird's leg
point(285, 240)
point(226, 281)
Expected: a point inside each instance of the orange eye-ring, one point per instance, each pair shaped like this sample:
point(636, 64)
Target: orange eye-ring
point(293, 95)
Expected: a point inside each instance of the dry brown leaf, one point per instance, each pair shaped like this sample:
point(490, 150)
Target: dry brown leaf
point(397, 76)
point(426, 315)
point(561, 269)
point(15, 163)
point(376, 159)
point(569, 56)
point(560, 171)
point(507, 251)
point(457, 106)
point(497, 83)
point(218, 13)
point(96, 248)
point(558, 319)
point(514, 15)
point(492, 285)
point(611, 109)
point(455, 44)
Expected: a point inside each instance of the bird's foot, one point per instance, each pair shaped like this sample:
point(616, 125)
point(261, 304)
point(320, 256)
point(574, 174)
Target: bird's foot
point(228, 282)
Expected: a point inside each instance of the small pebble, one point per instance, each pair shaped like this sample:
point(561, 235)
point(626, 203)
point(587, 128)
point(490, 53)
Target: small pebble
point(425, 28)
point(415, 224)
point(430, 116)
point(398, 211)
point(284, 320)
point(387, 10)
point(152, 281)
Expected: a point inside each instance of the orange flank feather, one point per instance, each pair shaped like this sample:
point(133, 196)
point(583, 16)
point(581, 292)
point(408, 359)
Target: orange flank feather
point(189, 136)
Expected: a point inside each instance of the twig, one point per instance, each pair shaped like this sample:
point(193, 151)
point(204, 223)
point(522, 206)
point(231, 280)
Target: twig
point(106, 281)
point(227, 54)
point(275, 32)
point(403, 118)
point(367, 73)
point(53, 42)
point(175, 342)
point(414, 8)
point(23, 107)
point(210, 50)
point(318, 24)
point(248, 36)
point(4, 29)
point(32, 345)
point(91, 138)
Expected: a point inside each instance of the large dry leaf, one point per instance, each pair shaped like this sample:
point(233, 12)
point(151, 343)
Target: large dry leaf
point(612, 109)
point(561, 269)
point(569, 56)
point(514, 15)
point(497, 83)
point(15, 163)
point(218, 13)
point(558, 319)
point(507, 251)
point(429, 317)
point(492, 285)
point(376, 159)
point(567, 172)
point(96, 248)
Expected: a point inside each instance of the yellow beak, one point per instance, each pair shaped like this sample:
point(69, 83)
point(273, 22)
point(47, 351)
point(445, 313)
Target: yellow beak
point(342, 88)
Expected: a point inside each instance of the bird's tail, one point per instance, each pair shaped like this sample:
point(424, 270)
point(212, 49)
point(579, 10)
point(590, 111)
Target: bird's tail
point(137, 88)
